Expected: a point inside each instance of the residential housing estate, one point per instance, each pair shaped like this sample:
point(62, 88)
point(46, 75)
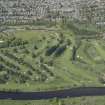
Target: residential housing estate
point(12, 11)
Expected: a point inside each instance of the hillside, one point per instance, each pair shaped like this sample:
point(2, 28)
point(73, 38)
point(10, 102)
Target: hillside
point(41, 58)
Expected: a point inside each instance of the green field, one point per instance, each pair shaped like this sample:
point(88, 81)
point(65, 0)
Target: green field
point(51, 58)
point(69, 101)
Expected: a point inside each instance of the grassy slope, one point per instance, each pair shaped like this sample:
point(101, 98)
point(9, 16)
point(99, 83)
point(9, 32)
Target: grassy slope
point(69, 101)
point(70, 74)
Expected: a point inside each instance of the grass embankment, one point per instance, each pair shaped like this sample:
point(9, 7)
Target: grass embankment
point(100, 100)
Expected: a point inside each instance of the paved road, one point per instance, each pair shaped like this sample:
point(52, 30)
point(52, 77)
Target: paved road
point(76, 92)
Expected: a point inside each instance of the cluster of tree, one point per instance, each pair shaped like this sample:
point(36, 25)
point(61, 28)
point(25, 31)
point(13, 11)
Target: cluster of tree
point(9, 64)
point(43, 66)
point(13, 72)
point(13, 42)
point(5, 74)
point(17, 42)
point(1, 67)
point(3, 78)
point(59, 48)
point(11, 56)
point(41, 76)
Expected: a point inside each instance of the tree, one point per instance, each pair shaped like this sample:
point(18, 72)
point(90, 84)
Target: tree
point(74, 53)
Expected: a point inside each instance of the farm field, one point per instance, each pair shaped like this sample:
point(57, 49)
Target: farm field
point(50, 59)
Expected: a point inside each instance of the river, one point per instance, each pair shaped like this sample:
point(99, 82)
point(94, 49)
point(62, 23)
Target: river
point(75, 92)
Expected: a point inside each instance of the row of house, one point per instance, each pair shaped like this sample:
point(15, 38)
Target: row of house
point(12, 11)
